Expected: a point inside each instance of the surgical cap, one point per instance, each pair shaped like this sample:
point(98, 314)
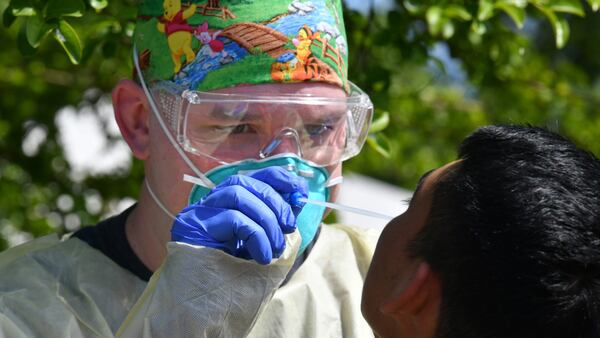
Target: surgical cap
point(210, 44)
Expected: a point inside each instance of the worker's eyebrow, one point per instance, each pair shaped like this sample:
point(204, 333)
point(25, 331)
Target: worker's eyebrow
point(419, 185)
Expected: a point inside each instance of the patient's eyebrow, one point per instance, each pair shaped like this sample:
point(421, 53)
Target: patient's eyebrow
point(419, 185)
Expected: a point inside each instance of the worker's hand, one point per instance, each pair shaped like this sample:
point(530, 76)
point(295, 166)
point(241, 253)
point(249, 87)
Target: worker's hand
point(245, 216)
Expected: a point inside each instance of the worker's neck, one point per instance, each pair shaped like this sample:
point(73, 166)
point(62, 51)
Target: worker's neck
point(148, 230)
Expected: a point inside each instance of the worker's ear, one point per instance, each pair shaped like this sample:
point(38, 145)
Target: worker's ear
point(133, 117)
point(416, 306)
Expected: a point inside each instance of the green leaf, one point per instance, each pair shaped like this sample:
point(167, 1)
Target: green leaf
point(8, 17)
point(515, 3)
point(109, 49)
point(380, 123)
point(413, 7)
point(36, 29)
point(567, 6)
point(486, 10)
point(98, 5)
point(559, 25)
point(23, 7)
point(60, 8)
point(69, 40)
point(595, 4)
point(433, 15)
point(23, 45)
point(561, 31)
point(448, 29)
point(438, 23)
point(457, 12)
point(25, 11)
point(517, 14)
point(478, 28)
point(380, 143)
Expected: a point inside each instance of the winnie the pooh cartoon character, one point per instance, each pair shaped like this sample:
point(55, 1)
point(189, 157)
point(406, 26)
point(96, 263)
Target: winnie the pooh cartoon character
point(179, 33)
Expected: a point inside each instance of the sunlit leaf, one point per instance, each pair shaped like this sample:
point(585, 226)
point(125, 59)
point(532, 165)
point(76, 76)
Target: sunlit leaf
point(457, 12)
point(560, 26)
point(413, 7)
point(380, 143)
point(517, 14)
point(22, 7)
point(595, 4)
point(567, 6)
point(24, 11)
point(380, 123)
point(562, 32)
point(69, 40)
point(516, 3)
point(448, 29)
point(486, 10)
point(98, 5)
point(60, 8)
point(435, 19)
point(478, 28)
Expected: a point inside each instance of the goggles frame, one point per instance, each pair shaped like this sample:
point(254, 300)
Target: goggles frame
point(173, 102)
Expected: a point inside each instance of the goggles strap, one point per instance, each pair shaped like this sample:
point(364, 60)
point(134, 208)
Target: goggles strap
point(208, 183)
point(157, 200)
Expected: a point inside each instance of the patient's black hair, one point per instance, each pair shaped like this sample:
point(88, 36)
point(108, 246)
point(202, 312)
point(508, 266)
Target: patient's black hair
point(514, 235)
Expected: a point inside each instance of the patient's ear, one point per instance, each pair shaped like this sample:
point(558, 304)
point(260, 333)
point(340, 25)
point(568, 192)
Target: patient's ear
point(133, 117)
point(416, 306)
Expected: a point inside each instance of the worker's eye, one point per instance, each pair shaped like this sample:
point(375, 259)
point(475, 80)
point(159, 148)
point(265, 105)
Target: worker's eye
point(318, 129)
point(241, 129)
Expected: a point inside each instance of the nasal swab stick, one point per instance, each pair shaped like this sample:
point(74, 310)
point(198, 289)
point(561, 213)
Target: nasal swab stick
point(346, 208)
point(296, 198)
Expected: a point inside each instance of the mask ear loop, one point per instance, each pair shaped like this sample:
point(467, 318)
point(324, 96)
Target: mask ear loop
point(334, 181)
point(206, 182)
point(157, 201)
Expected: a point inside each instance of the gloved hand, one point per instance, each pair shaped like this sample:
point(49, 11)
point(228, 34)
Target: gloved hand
point(245, 216)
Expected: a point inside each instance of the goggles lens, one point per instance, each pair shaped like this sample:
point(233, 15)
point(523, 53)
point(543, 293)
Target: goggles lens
point(233, 127)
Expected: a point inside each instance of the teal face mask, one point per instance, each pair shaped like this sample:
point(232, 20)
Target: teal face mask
point(310, 217)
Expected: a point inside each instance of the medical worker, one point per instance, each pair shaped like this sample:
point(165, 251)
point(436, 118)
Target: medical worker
point(240, 111)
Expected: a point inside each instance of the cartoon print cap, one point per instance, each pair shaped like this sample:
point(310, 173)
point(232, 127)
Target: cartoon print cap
point(211, 44)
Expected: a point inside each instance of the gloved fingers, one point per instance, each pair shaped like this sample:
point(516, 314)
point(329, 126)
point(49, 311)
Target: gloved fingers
point(269, 196)
point(282, 180)
point(237, 197)
point(240, 227)
point(286, 183)
point(189, 227)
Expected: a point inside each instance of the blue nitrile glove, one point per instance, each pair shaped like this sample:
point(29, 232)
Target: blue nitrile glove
point(245, 216)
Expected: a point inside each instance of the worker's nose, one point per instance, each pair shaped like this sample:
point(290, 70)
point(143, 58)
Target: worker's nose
point(286, 140)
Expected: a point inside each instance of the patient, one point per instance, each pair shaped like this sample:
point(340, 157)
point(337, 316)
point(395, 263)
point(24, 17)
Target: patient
point(503, 242)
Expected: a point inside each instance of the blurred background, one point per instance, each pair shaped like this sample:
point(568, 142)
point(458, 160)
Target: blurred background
point(435, 70)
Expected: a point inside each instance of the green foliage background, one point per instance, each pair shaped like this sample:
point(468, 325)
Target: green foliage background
point(520, 61)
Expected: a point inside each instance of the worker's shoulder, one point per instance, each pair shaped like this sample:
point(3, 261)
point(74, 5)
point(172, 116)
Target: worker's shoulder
point(362, 236)
point(362, 241)
point(12, 254)
point(51, 252)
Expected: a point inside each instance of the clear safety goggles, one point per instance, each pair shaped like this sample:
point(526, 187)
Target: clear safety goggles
point(234, 127)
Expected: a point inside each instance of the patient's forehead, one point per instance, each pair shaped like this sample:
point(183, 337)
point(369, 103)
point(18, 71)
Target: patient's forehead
point(428, 182)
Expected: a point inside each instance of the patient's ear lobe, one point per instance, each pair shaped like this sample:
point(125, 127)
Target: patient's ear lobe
point(133, 117)
point(416, 306)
